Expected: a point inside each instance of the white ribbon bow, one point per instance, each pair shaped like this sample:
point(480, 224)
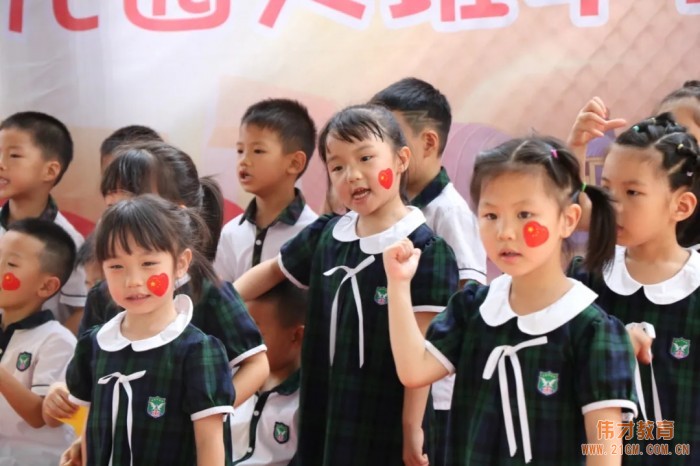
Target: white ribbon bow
point(350, 273)
point(649, 330)
point(498, 358)
point(121, 381)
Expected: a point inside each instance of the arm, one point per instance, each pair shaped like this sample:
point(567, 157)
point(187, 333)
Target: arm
point(56, 405)
point(611, 446)
point(26, 403)
point(251, 375)
point(73, 454)
point(259, 279)
point(72, 323)
point(209, 440)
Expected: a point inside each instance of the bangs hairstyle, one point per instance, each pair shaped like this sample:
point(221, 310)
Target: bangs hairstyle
point(549, 158)
point(154, 224)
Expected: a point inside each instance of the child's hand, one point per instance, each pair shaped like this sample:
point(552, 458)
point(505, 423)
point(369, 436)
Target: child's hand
point(641, 342)
point(413, 455)
point(56, 404)
point(401, 260)
point(592, 122)
point(73, 455)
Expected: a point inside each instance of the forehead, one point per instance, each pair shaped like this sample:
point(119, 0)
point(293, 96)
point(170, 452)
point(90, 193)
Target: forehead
point(515, 188)
point(339, 147)
point(632, 162)
point(21, 244)
point(14, 136)
point(251, 133)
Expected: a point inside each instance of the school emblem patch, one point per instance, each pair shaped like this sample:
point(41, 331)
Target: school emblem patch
point(548, 383)
point(680, 348)
point(156, 407)
point(380, 295)
point(281, 433)
point(24, 360)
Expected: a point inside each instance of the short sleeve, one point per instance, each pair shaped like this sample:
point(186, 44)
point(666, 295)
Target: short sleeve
point(79, 375)
point(74, 292)
point(208, 388)
point(459, 229)
point(222, 313)
point(436, 278)
point(226, 253)
point(448, 329)
point(55, 353)
point(297, 254)
point(605, 366)
point(99, 307)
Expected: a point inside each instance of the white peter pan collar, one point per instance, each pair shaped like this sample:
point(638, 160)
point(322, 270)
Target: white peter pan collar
point(496, 310)
point(678, 287)
point(110, 337)
point(346, 230)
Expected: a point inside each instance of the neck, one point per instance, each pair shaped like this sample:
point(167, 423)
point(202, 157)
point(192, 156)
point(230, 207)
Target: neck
point(270, 206)
point(30, 206)
point(278, 376)
point(382, 218)
point(540, 288)
point(12, 315)
point(656, 250)
point(418, 182)
point(141, 326)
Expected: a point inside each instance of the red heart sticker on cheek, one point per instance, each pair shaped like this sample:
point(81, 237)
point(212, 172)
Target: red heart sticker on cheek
point(535, 234)
point(386, 178)
point(10, 282)
point(158, 284)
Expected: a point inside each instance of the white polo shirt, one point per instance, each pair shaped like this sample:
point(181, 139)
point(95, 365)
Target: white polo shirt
point(36, 351)
point(264, 427)
point(243, 245)
point(74, 292)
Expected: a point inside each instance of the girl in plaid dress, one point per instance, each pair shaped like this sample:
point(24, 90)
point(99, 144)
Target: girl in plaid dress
point(653, 174)
point(532, 349)
point(156, 386)
point(353, 409)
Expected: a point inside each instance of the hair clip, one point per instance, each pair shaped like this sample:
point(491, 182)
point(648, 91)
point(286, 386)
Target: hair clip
point(653, 120)
point(554, 153)
point(680, 146)
point(635, 128)
point(583, 187)
point(690, 174)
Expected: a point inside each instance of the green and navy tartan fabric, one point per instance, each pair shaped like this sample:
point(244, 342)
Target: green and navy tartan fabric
point(184, 377)
point(49, 213)
point(220, 312)
point(677, 372)
point(586, 360)
point(432, 190)
point(289, 215)
point(350, 414)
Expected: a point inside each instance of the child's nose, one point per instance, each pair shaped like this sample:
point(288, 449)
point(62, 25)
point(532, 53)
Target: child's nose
point(506, 230)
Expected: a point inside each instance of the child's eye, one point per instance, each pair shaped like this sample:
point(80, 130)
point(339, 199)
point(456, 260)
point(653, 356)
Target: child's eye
point(524, 215)
point(366, 158)
point(239, 151)
point(490, 216)
point(633, 193)
point(15, 156)
point(258, 151)
point(150, 263)
point(336, 168)
point(11, 264)
point(114, 267)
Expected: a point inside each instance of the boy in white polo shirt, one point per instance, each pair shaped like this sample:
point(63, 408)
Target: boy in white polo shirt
point(36, 259)
point(264, 428)
point(276, 140)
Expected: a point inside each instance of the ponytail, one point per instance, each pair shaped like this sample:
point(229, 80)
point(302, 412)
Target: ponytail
point(602, 232)
point(212, 211)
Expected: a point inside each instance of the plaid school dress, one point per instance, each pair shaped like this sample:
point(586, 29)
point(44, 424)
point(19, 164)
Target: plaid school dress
point(524, 382)
point(351, 399)
point(145, 395)
point(672, 309)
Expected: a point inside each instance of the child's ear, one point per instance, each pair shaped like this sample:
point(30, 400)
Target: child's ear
point(183, 263)
point(431, 142)
point(571, 216)
point(52, 168)
point(298, 336)
point(684, 206)
point(49, 286)
point(404, 155)
point(297, 162)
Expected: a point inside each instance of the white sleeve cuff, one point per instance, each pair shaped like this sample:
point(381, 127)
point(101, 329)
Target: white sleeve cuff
point(610, 404)
point(211, 412)
point(242, 357)
point(433, 309)
point(78, 401)
point(289, 276)
point(440, 357)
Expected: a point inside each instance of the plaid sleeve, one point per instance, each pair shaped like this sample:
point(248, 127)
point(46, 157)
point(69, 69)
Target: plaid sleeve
point(79, 377)
point(448, 329)
point(99, 307)
point(297, 253)
point(222, 313)
point(208, 388)
point(436, 278)
point(605, 366)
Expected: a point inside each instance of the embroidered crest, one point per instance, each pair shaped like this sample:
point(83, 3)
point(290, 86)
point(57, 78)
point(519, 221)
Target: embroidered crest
point(156, 406)
point(24, 360)
point(548, 383)
point(680, 348)
point(281, 433)
point(380, 295)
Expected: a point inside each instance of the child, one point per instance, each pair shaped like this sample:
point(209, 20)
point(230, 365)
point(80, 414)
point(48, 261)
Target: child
point(36, 259)
point(353, 407)
point(570, 361)
point(36, 150)
point(276, 142)
point(176, 380)
point(684, 105)
point(131, 134)
point(86, 259)
point(425, 117)
point(264, 429)
point(652, 173)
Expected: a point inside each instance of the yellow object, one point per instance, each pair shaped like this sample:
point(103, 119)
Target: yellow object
point(77, 420)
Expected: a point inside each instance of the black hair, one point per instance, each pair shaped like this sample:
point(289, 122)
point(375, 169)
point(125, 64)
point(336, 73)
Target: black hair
point(86, 251)
point(290, 303)
point(58, 256)
point(680, 159)
point(159, 168)
point(359, 123)
point(551, 159)
point(128, 135)
point(48, 134)
point(290, 120)
point(421, 104)
point(155, 224)
point(689, 89)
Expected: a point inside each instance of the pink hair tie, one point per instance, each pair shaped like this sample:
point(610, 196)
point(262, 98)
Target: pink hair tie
point(554, 153)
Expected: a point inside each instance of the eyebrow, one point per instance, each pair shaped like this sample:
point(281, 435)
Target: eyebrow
point(519, 203)
point(627, 182)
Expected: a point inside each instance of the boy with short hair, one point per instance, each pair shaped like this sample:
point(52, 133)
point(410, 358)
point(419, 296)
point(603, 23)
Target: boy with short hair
point(125, 135)
point(36, 259)
point(35, 152)
point(264, 429)
point(86, 259)
point(277, 138)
